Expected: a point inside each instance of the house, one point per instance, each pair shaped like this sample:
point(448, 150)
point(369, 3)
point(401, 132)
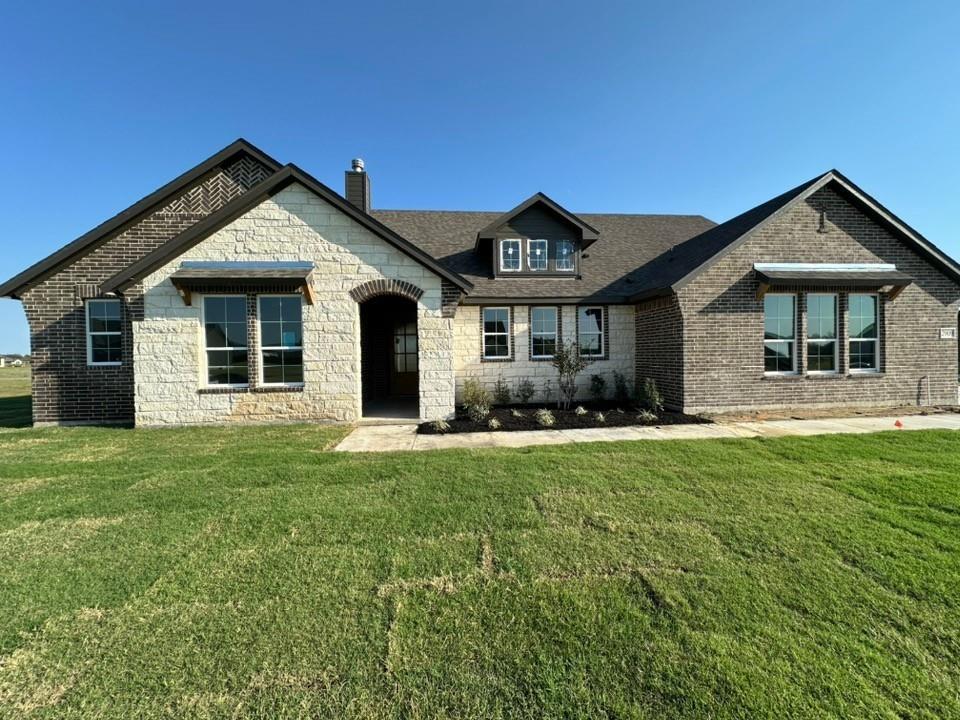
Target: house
point(246, 290)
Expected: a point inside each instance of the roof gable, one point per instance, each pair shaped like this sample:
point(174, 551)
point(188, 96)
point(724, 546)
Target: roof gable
point(686, 261)
point(289, 175)
point(122, 220)
point(588, 234)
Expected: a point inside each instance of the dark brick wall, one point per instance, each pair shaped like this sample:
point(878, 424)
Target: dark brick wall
point(65, 388)
point(723, 319)
point(659, 340)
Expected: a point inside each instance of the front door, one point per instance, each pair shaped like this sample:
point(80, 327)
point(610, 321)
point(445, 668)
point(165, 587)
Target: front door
point(403, 379)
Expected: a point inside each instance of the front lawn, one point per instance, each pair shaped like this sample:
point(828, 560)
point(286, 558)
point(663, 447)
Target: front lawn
point(250, 572)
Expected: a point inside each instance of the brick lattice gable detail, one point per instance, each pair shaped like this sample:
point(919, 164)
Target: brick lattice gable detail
point(65, 388)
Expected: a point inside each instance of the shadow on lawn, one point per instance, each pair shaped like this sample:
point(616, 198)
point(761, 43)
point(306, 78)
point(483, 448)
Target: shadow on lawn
point(16, 412)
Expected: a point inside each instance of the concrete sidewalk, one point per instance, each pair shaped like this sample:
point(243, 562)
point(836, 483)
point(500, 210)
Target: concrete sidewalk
point(384, 438)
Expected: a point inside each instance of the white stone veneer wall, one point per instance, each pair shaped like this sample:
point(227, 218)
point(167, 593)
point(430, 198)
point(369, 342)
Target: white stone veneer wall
point(467, 340)
point(294, 225)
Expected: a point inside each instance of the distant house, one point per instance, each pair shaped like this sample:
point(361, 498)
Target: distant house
point(246, 290)
point(3, 362)
point(17, 363)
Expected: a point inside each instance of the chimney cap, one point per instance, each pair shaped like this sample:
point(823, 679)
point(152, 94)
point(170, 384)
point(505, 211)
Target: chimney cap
point(357, 164)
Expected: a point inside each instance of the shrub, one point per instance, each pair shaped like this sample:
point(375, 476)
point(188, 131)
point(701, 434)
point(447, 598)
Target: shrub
point(599, 417)
point(545, 417)
point(648, 396)
point(525, 391)
point(516, 413)
point(501, 392)
point(569, 364)
point(476, 400)
point(547, 390)
point(598, 387)
point(621, 393)
point(440, 426)
point(646, 417)
point(493, 424)
point(580, 410)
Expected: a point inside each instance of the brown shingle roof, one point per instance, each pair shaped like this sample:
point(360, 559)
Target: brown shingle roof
point(614, 268)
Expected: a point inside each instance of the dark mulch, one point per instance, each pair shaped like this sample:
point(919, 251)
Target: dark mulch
point(565, 419)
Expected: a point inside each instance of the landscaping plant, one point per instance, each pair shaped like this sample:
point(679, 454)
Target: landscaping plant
point(648, 396)
point(580, 410)
point(621, 392)
point(501, 392)
point(493, 424)
point(545, 417)
point(569, 364)
point(525, 390)
point(441, 425)
point(598, 387)
point(476, 400)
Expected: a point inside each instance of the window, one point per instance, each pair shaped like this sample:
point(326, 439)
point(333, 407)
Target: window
point(405, 347)
point(225, 335)
point(496, 333)
point(864, 334)
point(103, 332)
point(281, 340)
point(537, 254)
point(821, 333)
point(510, 255)
point(564, 255)
point(590, 331)
point(543, 332)
point(779, 333)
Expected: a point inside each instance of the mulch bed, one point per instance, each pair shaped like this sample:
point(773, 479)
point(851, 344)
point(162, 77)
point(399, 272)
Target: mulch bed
point(565, 419)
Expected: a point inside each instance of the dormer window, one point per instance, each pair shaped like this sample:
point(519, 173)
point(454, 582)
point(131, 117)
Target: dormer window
point(564, 255)
point(511, 255)
point(537, 255)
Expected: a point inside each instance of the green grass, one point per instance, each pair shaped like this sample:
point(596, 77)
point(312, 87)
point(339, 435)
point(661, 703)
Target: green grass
point(15, 396)
point(250, 572)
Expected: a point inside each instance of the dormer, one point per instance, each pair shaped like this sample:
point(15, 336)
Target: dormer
point(537, 238)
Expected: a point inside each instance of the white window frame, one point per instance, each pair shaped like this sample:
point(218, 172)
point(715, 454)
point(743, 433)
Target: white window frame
point(555, 334)
point(603, 327)
point(90, 333)
point(836, 335)
point(793, 370)
point(519, 244)
point(570, 256)
point(484, 333)
point(530, 254)
point(261, 347)
point(205, 361)
point(875, 341)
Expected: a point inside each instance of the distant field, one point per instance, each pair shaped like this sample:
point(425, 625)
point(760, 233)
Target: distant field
point(14, 396)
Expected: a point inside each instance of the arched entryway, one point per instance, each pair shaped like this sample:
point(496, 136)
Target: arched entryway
point(389, 357)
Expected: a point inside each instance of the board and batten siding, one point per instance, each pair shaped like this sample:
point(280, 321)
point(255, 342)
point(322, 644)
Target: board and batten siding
point(469, 361)
point(294, 225)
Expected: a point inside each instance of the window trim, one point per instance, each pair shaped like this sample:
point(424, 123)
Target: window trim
point(261, 347)
point(205, 361)
point(875, 340)
point(90, 333)
point(546, 255)
point(793, 371)
point(603, 331)
point(503, 242)
point(836, 334)
point(556, 330)
point(484, 333)
point(572, 256)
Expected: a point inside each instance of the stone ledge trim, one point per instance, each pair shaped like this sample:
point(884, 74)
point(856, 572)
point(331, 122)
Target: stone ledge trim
point(384, 286)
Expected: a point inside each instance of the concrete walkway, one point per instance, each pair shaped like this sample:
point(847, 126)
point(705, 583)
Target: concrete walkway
point(383, 438)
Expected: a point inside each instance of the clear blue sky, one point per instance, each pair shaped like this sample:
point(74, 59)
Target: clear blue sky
point(677, 107)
